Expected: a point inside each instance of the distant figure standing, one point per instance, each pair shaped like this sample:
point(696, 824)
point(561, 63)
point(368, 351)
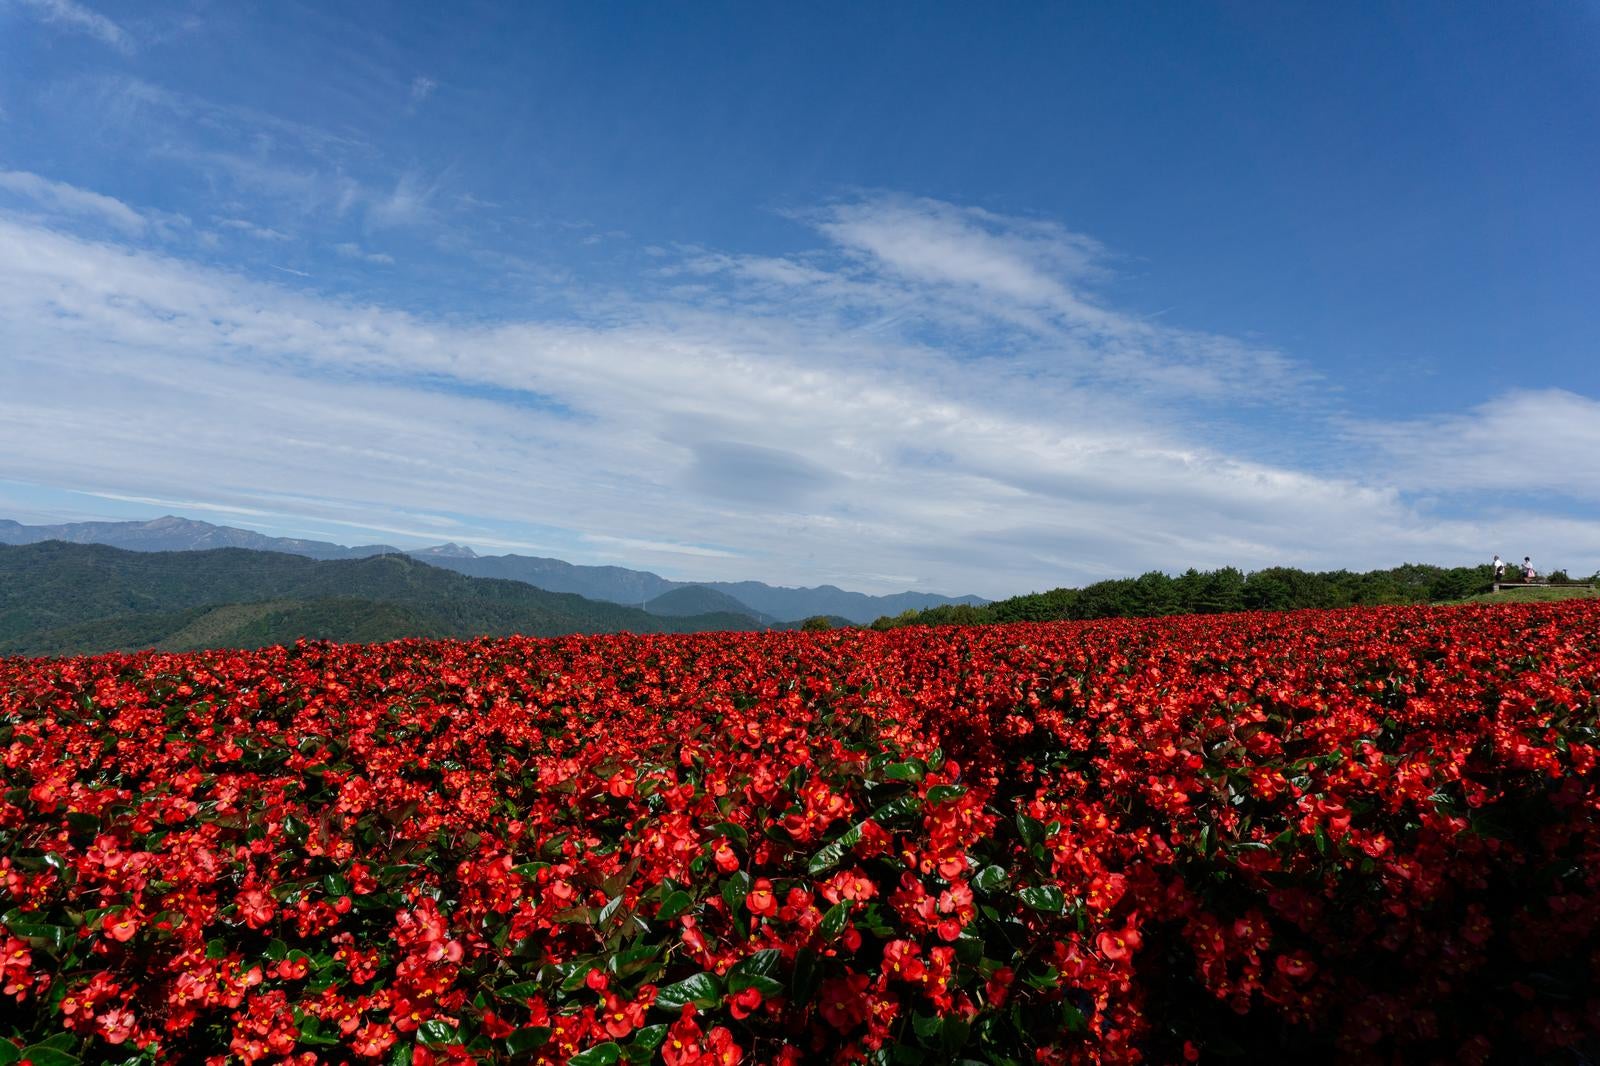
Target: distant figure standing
point(1499, 568)
point(1527, 569)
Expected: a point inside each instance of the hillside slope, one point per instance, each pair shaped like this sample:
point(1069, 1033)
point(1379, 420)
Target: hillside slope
point(171, 533)
point(58, 598)
point(613, 584)
point(698, 599)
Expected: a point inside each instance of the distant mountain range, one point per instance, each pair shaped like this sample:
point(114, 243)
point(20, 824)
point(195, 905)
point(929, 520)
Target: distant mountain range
point(58, 598)
point(172, 534)
point(613, 584)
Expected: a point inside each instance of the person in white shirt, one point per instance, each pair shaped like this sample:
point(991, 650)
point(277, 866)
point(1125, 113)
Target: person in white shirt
point(1499, 568)
point(1527, 569)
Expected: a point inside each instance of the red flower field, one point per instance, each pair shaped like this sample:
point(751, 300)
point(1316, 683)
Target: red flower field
point(1368, 835)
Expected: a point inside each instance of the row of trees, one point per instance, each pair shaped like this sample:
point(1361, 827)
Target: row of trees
point(1210, 592)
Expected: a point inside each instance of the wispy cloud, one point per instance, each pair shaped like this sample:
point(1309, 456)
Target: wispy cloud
point(75, 16)
point(410, 203)
point(1530, 440)
point(351, 250)
point(422, 88)
point(56, 196)
point(1008, 285)
point(264, 233)
point(726, 431)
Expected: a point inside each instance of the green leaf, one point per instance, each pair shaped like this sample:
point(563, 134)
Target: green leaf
point(401, 1055)
point(1049, 978)
point(735, 889)
point(311, 1033)
point(806, 977)
point(645, 1043)
point(1030, 829)
point(44, 1055)
point(436, 1032)
point(833, 922)
point(632, 960)
point(940, 793)
point(762, 963)
point(989, 879)
point(674, 905)
point(704, 990)
point(830, 854)
point(608, 910)
point(897, 808)
point(575, 977)
point(1046, 898)
point(51, 938)
point(523, 1041)
point(757, 972)
point(600, 1055)
point(518, 992)
point(733, 832)
point(910, 770)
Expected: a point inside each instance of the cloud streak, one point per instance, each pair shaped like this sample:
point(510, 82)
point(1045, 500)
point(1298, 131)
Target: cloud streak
point(67, 199)
point(75, 16)
point(1530, 440)
point(820, 417)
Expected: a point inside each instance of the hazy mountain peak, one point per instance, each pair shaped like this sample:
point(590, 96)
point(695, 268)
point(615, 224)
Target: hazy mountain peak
point(450, 550)
point(613, 584)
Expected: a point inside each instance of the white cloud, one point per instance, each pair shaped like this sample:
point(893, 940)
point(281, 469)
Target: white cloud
point(1531, 440)
point(1016, 283)
point(790, 421)
point(409, 204)
point(351, 250)
point(422, 88)
point(70, 200)
point(968, 248)
point(264, 233)
point(75, 16)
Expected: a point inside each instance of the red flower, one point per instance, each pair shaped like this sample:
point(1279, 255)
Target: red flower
point(723, 1050)
point(843, 1000)
point(115, 1025)
point(683, 1039)
point(744, 1003)
point(761, 901)
point(256, 907)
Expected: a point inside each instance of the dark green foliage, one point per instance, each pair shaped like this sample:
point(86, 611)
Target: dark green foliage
point(58, 598)
point(1195, 592)
point(698, 599)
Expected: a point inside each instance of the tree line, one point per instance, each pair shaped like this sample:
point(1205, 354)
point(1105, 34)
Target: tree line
point(1278, 588)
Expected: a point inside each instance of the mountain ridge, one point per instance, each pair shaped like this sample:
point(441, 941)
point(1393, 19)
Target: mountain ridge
point(63, 598)
point(612, 584)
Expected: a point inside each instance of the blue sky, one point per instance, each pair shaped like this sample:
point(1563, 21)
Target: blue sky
point(948, 297)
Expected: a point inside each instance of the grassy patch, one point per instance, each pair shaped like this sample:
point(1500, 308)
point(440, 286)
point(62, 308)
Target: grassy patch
point(1533, 594)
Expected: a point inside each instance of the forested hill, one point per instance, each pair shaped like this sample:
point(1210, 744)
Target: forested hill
point(59, 598)
point(1216, 591)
